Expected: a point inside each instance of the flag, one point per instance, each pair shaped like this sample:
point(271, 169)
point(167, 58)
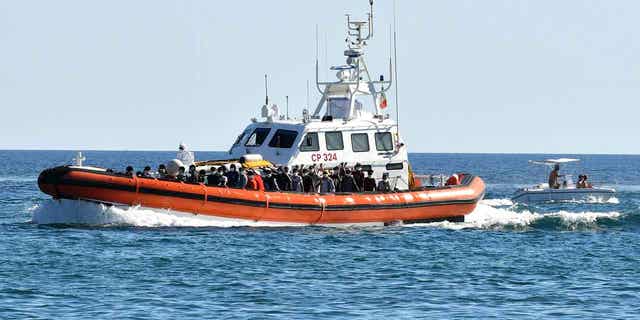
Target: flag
point(382, 101)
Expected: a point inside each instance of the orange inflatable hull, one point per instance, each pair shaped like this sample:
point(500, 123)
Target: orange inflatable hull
point(445, 203)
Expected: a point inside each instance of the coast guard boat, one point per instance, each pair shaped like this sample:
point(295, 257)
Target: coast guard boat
point(566, 190)
point(348, 126)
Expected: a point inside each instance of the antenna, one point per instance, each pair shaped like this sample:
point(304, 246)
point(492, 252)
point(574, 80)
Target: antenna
point(287, 99)
point(266, 92)
point(395, 62)
point(307, 93)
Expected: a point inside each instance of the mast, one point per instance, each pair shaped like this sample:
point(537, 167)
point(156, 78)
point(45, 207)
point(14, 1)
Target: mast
point(354, 77)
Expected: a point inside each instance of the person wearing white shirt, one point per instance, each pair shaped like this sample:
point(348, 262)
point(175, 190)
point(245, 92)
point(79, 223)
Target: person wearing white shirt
point(186, 157)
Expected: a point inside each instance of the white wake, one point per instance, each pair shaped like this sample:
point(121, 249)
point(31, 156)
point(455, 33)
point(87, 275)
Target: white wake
point(492, 214)
point(498, 214)
point(96, 214)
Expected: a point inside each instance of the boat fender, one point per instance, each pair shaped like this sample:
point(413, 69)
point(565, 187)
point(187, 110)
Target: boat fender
point(250, 157)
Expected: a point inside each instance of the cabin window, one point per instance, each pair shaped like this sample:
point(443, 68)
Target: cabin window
point(239, 139)
point(334, 140)
point(310, 142)
point(395, 166)
point(360, 142)
point(283, 138)
point(257, 137)
point(384, 141)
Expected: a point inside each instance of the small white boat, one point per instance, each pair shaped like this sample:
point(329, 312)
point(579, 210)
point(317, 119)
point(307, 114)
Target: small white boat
point(566, 191)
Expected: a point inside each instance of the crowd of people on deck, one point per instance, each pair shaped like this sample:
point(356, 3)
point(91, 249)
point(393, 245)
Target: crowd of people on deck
point(307, 179)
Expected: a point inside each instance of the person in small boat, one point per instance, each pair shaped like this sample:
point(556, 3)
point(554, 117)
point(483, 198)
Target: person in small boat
point(270, 181)
point(193, 175)
point(252, 184)
point(335, 176)
point(213, 179)
point(384, 185)
point(283, 179)
point(453, 180)
point(146, 173)
point(186, 157)
point(242, 179)
point(553, 177)
point(307, 180)
point(369, 183)
point(129, 171)
point(259, 181)
point(297, 184)
point(162, 171)
point(232, 176)
point(224, 181)
point(358, 175)
point(348, 182)
point(202, 176)
point(326, 184)
point(182, 174)
point(583, 183)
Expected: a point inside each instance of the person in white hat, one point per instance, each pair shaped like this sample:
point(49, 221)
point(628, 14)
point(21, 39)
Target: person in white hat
point(185, 156)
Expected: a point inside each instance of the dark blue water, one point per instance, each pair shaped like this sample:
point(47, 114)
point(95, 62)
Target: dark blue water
point(565, 260)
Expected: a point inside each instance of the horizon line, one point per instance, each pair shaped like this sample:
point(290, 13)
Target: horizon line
point(427, 152)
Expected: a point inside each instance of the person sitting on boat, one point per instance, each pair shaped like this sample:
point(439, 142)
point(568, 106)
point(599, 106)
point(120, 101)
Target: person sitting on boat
point(182, 174)
point(162, 171)
point(553, 177)
point(146, 173)
point(307, 180)
point(585, 183)
point(270, 181)
point(184, 155)
point(369, 183)
point(296, 181)
point(193, 175)
point(348, 182)
point(453, 180)
point(335, 176)
point(252, 184)
point(129, 171)
point(383, 185)
point(283, 179)
point(327, 184)
point(214, 178)
point(224, 181)
point(580, 183)
point(358, 175)
point(242, 179)
point(259, 181)
point(202, 176)
point(232, 176)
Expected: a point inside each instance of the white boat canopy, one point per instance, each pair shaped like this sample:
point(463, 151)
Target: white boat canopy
point(550, 162)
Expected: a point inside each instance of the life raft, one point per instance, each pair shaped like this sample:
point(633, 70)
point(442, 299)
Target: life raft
point(424, 204)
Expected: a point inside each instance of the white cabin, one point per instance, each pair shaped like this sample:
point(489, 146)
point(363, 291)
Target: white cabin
point(341, 129)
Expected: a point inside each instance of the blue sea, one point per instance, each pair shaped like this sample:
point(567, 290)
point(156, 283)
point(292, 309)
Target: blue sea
point(69, 260)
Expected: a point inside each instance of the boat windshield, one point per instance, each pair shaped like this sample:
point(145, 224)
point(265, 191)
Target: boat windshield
point(338, 107)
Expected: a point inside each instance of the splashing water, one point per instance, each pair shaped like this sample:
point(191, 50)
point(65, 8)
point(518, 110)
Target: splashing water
point(491, 214)
point(96, 214)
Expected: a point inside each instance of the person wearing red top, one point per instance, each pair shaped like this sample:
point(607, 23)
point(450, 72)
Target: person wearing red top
point(259, 183)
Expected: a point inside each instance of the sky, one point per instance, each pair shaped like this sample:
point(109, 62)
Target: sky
point(474, 76)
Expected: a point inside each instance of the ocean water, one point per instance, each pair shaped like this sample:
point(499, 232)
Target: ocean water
point(69, 260)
